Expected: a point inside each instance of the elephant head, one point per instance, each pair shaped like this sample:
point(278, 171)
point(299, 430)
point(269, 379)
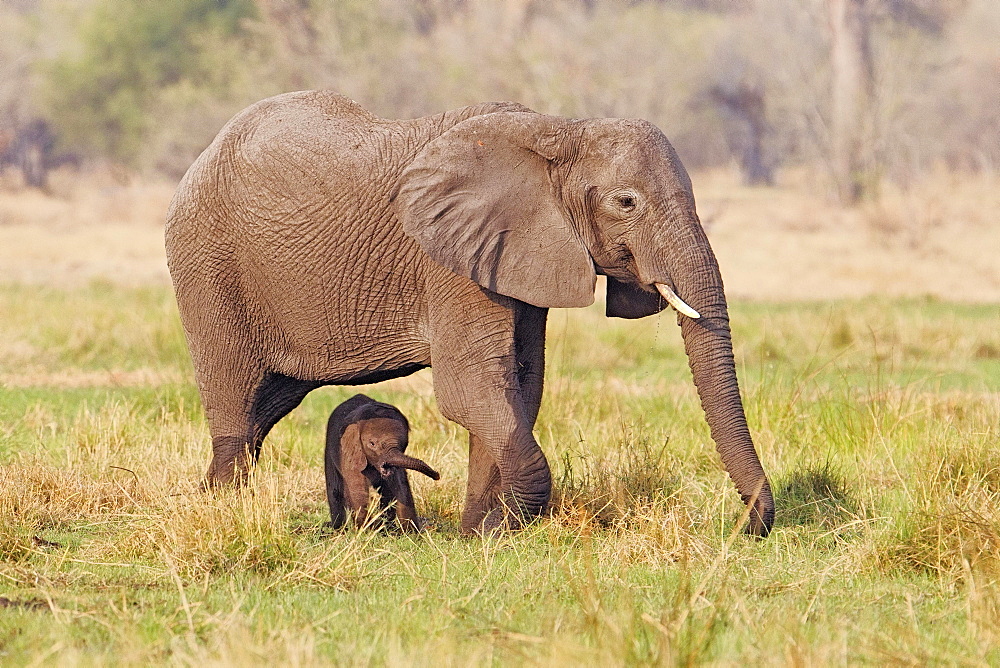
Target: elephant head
point(534, 207)
point(383, 441)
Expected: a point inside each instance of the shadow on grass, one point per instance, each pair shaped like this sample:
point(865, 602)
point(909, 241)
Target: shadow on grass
point(610, 488)
point(815, 495)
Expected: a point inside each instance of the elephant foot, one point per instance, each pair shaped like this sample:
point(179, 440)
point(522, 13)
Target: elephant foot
point(408, 524)
point(231, 463)
point(500, 520)
point(505, 514)
point(494, 503)
point(476, 512)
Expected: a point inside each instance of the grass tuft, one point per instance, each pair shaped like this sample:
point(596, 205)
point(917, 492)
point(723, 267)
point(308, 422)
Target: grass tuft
point(950, 543)
point(609, 489)
point(816, 495)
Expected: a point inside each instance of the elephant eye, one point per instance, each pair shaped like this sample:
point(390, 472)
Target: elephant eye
point(626, 202)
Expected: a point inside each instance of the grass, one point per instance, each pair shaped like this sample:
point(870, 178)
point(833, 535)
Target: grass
point(878, 421)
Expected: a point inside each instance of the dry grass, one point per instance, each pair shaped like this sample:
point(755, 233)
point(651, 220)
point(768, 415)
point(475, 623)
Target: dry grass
point(877, 420)
point(937, 237)
point(85, 228)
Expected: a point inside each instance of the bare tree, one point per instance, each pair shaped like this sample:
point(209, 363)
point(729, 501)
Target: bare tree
point(852, 88)
point(745, 103)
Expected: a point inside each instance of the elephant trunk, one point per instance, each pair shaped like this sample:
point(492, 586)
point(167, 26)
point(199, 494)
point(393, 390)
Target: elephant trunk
point(708, 344)
point(398, 458)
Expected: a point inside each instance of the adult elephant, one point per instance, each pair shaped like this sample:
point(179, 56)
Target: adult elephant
point(316, 244)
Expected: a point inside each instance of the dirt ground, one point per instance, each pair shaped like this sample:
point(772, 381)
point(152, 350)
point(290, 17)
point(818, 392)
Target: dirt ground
point(940, 237)
point(93, 229)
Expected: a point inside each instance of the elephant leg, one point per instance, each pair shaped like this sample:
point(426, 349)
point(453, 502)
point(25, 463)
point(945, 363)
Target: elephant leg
point(226, 395)
point(335, 492)
point(336, 485)
point(275, 398)
point(356, 496)
point(397, 489)
point(483, 492)
point(477, 385)
point(236, 449)
point(228, 372)
point(529, 348)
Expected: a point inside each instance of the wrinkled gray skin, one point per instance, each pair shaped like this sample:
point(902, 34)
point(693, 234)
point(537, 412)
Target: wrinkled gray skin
point(365, 448)
point(313, 243)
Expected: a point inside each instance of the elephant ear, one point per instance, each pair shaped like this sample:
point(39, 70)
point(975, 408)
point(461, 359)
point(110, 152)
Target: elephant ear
point(625, 300)
point(352, 457)
point(480, 201)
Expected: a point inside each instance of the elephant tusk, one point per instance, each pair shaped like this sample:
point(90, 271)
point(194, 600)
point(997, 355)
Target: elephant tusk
point(676, 301)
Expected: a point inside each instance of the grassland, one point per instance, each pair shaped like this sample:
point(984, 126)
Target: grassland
point(936, 237)
point(878, 421)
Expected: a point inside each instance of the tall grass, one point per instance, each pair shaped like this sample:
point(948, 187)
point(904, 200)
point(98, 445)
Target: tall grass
point(878, 422)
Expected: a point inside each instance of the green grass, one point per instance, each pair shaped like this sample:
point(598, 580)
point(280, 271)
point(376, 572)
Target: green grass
point(878, 422)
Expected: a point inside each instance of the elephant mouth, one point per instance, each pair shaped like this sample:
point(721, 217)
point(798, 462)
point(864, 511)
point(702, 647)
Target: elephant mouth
point(385, 470)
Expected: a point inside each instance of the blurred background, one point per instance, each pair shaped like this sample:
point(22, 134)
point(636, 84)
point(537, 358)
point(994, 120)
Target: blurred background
point(839, 148)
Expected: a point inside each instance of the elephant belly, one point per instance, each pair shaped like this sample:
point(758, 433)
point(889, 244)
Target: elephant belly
point(335, 334)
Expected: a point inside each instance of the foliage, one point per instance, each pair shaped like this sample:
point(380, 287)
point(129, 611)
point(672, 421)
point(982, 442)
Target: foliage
point(131, 58)
point(150, 83)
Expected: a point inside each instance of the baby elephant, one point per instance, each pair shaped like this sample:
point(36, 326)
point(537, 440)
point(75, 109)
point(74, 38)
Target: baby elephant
point(365, 443)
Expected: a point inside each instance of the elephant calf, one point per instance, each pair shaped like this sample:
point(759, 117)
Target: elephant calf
point(365, 444)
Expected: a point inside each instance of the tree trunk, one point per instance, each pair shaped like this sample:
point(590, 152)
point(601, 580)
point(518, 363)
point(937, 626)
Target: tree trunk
point(746, 104)
point(852, 91)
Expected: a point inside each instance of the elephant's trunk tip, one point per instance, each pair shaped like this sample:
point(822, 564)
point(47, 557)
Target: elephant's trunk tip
point(760, 509)
point(676, 302)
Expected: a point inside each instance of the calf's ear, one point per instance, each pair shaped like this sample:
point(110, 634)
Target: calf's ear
point(352, 456)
